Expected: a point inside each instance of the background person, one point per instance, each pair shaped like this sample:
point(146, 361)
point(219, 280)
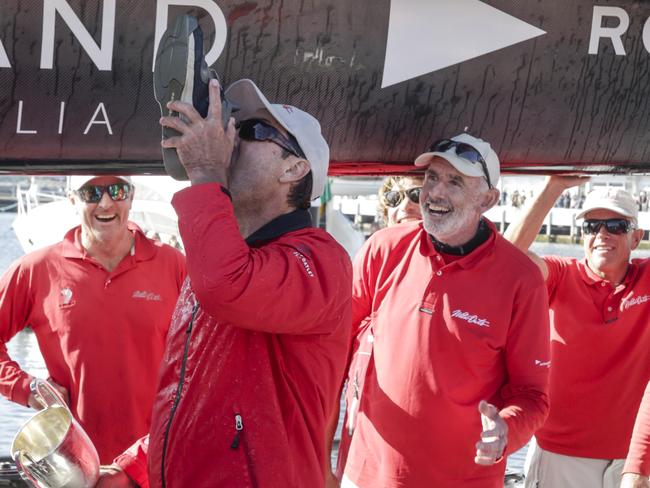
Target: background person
point(100, 304)
point(399, 202)
point(636, 472)
point(599, 311)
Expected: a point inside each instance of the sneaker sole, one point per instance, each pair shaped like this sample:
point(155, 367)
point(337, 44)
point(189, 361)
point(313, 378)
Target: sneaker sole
point(173, 79)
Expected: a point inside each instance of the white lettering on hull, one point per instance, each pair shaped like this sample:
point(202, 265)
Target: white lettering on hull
point(95, 119)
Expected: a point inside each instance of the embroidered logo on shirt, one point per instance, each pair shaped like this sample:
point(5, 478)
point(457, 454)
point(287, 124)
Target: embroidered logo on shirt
point(630, 302)
point(542, 364)
point(471, 319)
point(66, 293)
point(305, 263)
point(147, 295)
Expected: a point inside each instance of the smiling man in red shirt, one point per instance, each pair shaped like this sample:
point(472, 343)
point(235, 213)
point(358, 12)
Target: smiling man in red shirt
point(599, 340)
point(100, 303)
point(459, 367)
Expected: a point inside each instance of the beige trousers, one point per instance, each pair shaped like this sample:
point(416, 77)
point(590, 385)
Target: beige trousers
point(347, 483)
point(546, 469)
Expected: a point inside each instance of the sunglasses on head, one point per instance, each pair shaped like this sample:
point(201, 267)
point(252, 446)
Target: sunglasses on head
point(259, 130)
point(613, 226)
point(463, 150)
point(94, 193)
point(394, 198)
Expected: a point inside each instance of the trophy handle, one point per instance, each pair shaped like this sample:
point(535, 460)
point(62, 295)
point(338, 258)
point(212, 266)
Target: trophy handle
point(47, 395)
point(25, 473)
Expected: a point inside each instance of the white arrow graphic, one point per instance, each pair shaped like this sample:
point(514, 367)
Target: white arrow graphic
point(428, 35)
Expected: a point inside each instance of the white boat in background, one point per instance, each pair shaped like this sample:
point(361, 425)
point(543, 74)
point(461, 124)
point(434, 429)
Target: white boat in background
point(44, 216)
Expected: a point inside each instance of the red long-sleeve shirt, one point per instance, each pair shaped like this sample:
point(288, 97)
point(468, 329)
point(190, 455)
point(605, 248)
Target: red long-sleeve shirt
point(445, 337)
point(266, 324)
point(638, 458)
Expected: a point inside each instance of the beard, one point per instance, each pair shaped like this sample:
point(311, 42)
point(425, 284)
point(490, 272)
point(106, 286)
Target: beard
point(450, 227)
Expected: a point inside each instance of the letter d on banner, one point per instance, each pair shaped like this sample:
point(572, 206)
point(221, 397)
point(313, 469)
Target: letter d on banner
point(220, 27)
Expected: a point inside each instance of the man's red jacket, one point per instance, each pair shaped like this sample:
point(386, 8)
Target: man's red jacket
point(255, 354)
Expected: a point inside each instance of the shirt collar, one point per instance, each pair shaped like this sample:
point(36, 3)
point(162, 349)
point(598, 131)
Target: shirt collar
point(289, 222)
point(427, 248)
point(591, 278)
point(72, 248)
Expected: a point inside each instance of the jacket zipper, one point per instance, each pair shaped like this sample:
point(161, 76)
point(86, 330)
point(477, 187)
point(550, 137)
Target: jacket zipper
point(179, 389)
point(239, 426)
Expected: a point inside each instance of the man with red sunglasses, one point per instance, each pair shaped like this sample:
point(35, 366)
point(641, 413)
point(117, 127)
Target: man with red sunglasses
point(458, 370)
point(257, 348)
point(599, 339)
point(100, 304)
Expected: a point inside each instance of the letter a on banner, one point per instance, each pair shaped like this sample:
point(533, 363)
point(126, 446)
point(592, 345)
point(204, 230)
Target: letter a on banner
point(101, 56)
point(95, 121)
point(220, 27)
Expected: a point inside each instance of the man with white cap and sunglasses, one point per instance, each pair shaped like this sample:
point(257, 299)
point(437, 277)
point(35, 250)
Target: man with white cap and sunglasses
point(100, 304)
point(599, 339)
point(257, 347)
point(458, 373)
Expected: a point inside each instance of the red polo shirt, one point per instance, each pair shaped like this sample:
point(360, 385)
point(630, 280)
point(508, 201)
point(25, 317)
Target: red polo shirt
point(445, 337)
point(101, 333)
point(638, 459)
point(600, 351)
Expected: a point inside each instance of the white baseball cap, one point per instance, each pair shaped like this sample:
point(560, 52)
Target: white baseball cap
point(466, 166)
point(250, 101)
point(77, 181)
point(615, 199)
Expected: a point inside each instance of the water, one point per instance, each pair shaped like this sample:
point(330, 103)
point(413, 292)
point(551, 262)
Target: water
point(24, 349)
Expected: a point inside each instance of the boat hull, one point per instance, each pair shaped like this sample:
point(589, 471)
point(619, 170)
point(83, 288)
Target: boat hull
point(555, 86)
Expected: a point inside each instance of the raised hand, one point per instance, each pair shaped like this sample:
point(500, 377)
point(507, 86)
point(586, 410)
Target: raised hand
point(494, 437)
point(204, 147)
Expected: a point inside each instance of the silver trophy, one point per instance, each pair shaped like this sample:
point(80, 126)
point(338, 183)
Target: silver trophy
point(51, 450)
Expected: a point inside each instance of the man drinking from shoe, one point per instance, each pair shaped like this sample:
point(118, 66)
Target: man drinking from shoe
point(258, 341)
point(599, 339)
point(459, 366)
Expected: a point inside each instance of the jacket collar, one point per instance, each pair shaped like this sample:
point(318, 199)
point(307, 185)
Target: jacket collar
point(289, 222)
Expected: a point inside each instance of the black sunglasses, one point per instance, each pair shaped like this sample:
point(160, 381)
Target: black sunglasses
point(463, 150)
point(394, 198)
point(613, 226)
point(94, 193)
point(259, 130)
